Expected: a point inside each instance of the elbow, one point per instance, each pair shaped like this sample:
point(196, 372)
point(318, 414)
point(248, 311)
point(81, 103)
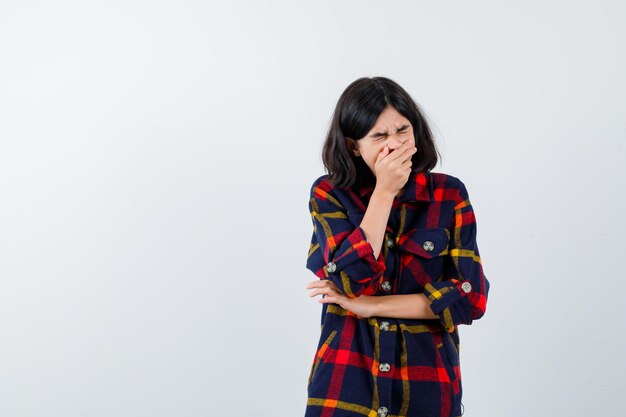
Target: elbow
point(479, 303)
point(478, 307)
point(477, 313)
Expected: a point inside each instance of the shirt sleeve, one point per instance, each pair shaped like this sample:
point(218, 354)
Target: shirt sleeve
point(339, 250)
point(462, 297)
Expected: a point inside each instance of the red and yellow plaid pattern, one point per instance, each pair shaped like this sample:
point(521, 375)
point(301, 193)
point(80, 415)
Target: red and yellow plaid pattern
point(391, 367)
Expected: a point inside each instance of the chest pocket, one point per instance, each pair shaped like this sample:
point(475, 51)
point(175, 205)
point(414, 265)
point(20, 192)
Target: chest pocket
point(423, 253)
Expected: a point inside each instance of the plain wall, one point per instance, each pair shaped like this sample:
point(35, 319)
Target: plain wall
point(155, 166)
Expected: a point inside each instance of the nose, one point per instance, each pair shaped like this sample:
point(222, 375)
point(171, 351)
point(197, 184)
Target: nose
point(395, 141)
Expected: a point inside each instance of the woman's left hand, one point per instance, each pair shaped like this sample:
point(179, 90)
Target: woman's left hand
point(363, 306)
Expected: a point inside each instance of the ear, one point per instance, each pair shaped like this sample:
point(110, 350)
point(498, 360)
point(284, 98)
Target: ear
point(353, 146)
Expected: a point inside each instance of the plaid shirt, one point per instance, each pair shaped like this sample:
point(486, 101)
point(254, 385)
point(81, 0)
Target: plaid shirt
point(388, 367)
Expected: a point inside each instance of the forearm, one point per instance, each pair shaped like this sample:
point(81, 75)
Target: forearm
point(375, 220)
point(403, 306)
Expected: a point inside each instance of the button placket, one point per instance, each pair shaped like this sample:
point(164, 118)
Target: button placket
point(387, 348)
point(385, 285)
point(387, 338)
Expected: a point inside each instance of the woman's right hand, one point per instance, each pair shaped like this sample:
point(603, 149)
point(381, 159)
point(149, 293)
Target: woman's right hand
point(393, 168)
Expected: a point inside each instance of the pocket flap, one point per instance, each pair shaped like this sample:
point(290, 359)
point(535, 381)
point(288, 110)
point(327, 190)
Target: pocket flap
point(427, 242)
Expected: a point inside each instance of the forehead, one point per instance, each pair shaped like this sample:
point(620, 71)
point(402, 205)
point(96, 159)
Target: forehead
point(390, 117)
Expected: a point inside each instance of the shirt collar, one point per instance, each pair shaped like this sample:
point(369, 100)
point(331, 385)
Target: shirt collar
point(418, 187)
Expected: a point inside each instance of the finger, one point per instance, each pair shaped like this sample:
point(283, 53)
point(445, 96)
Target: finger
point(400, 154)
point(407, 153)
point(324, 290)
point(328, 299)
point(319, 283)
point(318, 291)
point(324, 283)
point(382, 154)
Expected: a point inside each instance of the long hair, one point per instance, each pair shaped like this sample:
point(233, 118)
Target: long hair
point(356, 112)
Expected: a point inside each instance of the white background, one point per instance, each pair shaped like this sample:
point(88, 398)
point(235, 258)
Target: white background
point(155, 164)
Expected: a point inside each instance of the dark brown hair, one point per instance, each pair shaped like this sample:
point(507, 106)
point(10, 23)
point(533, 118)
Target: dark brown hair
point(359, 106)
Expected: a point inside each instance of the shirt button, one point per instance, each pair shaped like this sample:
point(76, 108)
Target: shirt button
point(384, 367)
point(382, 411)
point(428, 246)
point(466, 287)
point(386, 285)
point(331, 267)
point(384, 325)
point(390, 243)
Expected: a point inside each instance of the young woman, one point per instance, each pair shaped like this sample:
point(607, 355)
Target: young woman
point(394, 249)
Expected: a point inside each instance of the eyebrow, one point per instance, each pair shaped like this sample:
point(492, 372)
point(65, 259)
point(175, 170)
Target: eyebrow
point(373, 135)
